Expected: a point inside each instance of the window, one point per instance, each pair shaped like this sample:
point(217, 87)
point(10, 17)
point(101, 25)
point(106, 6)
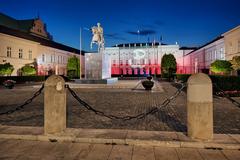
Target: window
point(215, 54)
point(43, 58)
point(30, 54)
point(51, 58)
point(9, 52)
point(20, 54)
point(230, 47)
point(58, 59)
point(149, 61)
point(239, 45)
point(222, 56)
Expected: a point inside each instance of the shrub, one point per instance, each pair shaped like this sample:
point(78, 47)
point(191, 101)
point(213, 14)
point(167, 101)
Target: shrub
point(221, 66)
point(28, 70)
point(23, 79)
point(73, 67)
point(235, 63)
point(183, 77)
point(6, 69)
point(168, 65)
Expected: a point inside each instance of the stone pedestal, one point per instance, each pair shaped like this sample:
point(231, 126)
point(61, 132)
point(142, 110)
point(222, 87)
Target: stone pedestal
point(200, 107)
point(97, 66)
point(54, 105)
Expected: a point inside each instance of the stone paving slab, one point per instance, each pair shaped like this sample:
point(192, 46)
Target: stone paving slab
point(127, 137)
point(28, 150)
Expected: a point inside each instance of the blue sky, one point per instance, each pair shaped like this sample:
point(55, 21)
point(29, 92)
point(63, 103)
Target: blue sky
point(188, 22)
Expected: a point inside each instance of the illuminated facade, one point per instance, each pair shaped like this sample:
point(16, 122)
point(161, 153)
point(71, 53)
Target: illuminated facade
point(232, 42)
point(141, 59)
point(25, 41)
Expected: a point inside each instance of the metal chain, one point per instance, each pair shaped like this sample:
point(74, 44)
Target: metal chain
point(20, 107)
point(138, 116)
point(236, 103)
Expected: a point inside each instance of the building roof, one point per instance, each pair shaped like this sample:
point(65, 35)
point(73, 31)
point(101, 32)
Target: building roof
point(238, 27)
point(139, 44)
point(188, 48)
point(42, 41)
point(22, 25)
point(214, 40)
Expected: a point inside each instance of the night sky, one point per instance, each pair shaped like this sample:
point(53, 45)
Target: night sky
point(188, 22)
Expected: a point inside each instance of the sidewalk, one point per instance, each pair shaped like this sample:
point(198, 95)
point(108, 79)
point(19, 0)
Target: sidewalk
point(25, 149)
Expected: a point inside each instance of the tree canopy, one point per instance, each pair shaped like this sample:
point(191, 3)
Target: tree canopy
point(221, 66)
point(6, 69)
point(73, 67)
point(235, 62)
point(168, 63)
point(28, 70)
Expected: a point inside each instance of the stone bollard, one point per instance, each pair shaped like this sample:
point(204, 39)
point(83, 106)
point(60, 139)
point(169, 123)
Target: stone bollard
point(200, 107)
point(54, 105)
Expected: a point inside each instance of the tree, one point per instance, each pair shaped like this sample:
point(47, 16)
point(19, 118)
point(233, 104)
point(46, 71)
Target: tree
point(235, 63)
point(28, 70)
point(6, 69)
point(73, 67)
point(168, 65)
point(221, 66)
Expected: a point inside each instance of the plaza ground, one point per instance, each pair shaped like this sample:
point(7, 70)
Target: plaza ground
point(121, 100)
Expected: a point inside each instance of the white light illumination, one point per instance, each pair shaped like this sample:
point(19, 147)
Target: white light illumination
point(139, 54)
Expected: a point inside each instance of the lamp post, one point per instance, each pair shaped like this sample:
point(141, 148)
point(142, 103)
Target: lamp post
point(80, 67)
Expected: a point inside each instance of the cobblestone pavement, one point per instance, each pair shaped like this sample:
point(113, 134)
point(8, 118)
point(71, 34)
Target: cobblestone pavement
point(24, 150)
point(119, 102)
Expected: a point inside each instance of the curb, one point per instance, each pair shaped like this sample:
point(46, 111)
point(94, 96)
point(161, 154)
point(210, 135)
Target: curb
point(113, 141)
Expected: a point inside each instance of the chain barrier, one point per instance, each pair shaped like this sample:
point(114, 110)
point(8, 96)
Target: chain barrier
point(134, 88)
point(20, 107)
point(221, 92)
point(125, 118)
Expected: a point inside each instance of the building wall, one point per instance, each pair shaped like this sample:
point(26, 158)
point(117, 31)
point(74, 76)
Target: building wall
point(232, 43)
point(201, 59)
point(15, 44)
point(50, 60)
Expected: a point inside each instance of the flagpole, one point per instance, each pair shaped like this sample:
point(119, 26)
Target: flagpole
point(80, 67)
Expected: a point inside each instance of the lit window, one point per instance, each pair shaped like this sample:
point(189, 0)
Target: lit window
point(222, 56)
point(9, 52)
point(20, 54)
point(30, 54)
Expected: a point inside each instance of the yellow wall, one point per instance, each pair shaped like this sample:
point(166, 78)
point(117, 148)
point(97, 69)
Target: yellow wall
point(58, 62)
point(232, 43)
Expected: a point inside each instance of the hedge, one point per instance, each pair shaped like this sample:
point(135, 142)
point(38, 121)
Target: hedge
point(23, 79)
point(226, 83)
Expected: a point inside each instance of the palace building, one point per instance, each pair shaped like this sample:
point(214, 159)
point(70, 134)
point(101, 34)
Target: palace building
point(25, 41)
point(139, 59)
